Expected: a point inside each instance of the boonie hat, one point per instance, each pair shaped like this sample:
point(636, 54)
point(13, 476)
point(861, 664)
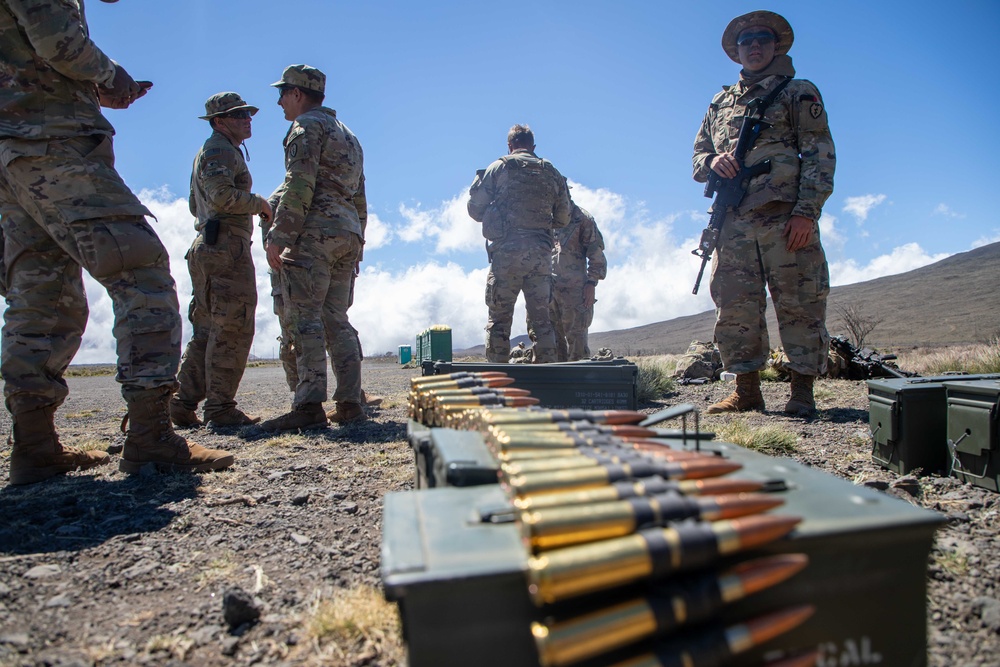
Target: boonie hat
point(223, 103)
point(775, 22)
point(302, 76)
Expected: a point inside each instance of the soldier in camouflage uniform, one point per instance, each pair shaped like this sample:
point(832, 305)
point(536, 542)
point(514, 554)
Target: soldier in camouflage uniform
point(578, 263)
point(315, 245)
point(63, 208)
point(224, 284)
point(520, 199)
point(773, 238)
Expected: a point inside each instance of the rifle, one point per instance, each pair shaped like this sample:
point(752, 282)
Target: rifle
point(868, 362)
point(729, 192)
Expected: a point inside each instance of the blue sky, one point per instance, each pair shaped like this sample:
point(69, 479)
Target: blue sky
point(614, 91)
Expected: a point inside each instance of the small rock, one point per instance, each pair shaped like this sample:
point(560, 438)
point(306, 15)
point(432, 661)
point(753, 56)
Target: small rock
point(337, 495)
point(957, 517)
point(300, 539)
point(989, 612)
point(42, 571)
point(59, 601)
point(876, 484)
point(350, 508)
point(300, 499)
point(230, 645)
point(276, 476)
point(4, 588)
point(15, 638)
point(909, 484)
point(238, 607)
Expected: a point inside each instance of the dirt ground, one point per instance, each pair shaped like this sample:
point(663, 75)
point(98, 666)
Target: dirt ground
point(99, 568)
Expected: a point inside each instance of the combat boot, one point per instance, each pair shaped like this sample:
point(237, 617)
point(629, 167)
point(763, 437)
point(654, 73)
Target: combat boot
point(746, 397)
point(182, 416)
point(36, 453)
point(151, 439)
point(304, 417)
point(347, 413)
point(230, 417)
point(801, 403)
point(371, 401)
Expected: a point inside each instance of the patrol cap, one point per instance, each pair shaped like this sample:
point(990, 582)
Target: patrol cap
point(223, 103)
point(302, 76)
point(775, 22)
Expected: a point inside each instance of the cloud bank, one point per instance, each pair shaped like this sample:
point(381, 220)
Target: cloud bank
point(438, 271)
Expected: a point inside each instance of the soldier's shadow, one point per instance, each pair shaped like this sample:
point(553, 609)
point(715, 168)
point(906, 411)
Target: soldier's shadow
point(78, 512)
point(844, 415)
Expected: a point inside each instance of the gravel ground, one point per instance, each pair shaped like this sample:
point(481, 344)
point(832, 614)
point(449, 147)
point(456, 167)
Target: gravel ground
point(98, 568)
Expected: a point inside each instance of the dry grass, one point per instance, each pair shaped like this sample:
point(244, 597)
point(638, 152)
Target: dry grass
point(352, 621)
point(90, 370)
point(982, 358)
point(772, 440)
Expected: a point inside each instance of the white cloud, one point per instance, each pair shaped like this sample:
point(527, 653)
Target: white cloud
point(986, 240)
point(448, 225)
point(377, 233)
point(902, 258)
point(945, 210)
point(861, 206)
point(829, 234)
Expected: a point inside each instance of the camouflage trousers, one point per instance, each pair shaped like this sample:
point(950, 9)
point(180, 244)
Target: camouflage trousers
point(64, 208)
point(286, 350)
point(752, 256)
point(517, 268)
point(316, 279)
point(224, 288)
point(570, 319)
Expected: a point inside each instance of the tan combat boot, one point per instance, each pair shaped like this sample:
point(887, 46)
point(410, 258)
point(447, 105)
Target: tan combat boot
point(151, 439)
point(347, 413)
point(371, 401)
point(181, 416)
point(230, 417)
point(801, 403)
point(746, 397)
point(304, 417)
point(36, 453)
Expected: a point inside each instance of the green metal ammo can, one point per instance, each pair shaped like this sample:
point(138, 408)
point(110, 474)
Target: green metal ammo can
point(973, 414)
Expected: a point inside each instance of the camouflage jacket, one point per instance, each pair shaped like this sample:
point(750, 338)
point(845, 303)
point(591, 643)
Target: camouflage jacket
point(798, 143)
point(529, 193)
point(220, 185)
point(324, 185)
point(579, 253)
point(49, 71)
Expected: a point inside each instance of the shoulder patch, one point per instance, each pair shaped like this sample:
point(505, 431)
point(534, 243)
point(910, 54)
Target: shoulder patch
point(816, 109)
point(293, 149)
point(212, 152)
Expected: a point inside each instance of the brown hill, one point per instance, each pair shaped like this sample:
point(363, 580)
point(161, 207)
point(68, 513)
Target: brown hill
point(950, 302)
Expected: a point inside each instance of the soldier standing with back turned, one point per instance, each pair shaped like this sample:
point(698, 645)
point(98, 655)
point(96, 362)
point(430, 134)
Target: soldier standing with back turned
point(772, 239)
point(64, 207)
point(315, 245)
point(223, 281)
point(520, 199)
point(578, 263)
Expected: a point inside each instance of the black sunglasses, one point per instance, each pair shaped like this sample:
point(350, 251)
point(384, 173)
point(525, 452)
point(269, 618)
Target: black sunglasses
point(242, 114)
point(761, 37)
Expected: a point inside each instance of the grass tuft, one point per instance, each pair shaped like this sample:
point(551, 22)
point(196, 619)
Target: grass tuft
point(357, 616)
point(772, 440)
point(655, 379)
point(979, 359)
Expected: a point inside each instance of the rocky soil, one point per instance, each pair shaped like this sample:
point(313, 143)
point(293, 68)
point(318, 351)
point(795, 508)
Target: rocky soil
point(276, 561)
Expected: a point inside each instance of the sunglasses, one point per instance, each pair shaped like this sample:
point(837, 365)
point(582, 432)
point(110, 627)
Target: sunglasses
point(760, 37)
point(242, 114)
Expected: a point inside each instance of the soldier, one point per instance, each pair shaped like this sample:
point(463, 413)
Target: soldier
point(520, 199)
point(578, 263)
point(63, 207)
point(222, 273)
point(315, 245)
point(773, 238)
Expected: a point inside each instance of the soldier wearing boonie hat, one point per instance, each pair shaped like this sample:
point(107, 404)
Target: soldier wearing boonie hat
point(314, 247)
point(223, 279)
point(772, 239)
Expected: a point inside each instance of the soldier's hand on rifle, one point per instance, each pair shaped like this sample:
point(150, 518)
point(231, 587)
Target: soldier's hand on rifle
point(725, 165)
point(266, 213)
point(799, 232)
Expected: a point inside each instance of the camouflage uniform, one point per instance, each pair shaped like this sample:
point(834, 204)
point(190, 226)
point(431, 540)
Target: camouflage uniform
point(224, 284)
point(523, 198)
point(752, 249)
point(65, 207)
point(578, 260)
point(320, 220)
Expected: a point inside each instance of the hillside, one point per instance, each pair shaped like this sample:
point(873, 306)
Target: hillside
point(953, 301)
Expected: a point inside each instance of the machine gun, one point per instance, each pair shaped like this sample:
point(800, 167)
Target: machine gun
point(866, 363)
point(729, 192)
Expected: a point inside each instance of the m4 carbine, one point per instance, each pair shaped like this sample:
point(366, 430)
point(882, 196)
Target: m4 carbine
point(729, 192)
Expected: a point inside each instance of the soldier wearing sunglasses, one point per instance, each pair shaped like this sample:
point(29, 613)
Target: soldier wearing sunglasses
point(772, 239)
point(223, 281)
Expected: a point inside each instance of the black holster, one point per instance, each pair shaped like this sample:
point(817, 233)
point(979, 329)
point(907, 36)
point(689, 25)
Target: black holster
point(211, 231)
